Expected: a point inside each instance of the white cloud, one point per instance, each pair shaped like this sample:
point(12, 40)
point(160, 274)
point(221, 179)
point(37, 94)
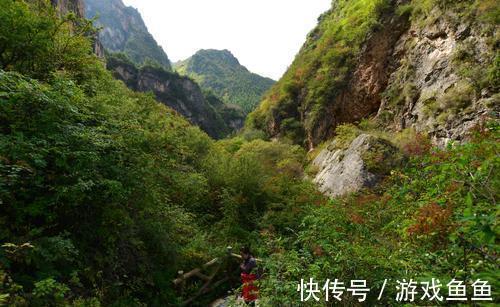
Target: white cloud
point(264, 35)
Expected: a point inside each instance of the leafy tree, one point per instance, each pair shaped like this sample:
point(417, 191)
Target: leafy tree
point(36, 41)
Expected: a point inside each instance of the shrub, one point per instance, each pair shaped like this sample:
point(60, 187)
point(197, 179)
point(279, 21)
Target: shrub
point(445, 106)
point(434, 217)
point(413, 143)
point(345, 134)
point(382, 157)
point(53, 43)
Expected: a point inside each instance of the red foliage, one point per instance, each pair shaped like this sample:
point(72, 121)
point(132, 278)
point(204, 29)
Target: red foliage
point(357, 219)
point(385, 199)
point(275, 96)
point(418, 146)
point(453, 187)
point(300, 74)
point(321, 202)
point(432, 218)
point(440, 156)
point(318, 251)
point(366, 199)
point(480, 131)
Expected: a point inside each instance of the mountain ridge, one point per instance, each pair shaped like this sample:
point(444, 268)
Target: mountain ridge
point(145, 67)
point(107, 195)
point(124, 30)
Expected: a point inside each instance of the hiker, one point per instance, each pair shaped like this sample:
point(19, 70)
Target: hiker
point(248, 275)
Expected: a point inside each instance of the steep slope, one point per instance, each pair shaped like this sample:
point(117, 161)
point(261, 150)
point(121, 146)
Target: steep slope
point(78, 8)
point(123, 30)
point(144, 67)
point(220, 72)
point(447, 79)
point(400, 55)
point(181, 94)
point(66, 6)
point(106, 194)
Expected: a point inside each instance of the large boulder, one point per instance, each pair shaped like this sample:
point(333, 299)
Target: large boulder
point(362, 165)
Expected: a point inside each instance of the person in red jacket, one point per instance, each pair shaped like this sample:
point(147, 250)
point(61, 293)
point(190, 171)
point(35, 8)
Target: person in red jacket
point(248, 276)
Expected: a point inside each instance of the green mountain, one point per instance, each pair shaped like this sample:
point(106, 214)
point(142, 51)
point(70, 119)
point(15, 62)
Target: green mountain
point(181, 94)
point(431, 65)
point(220, 72)
point(135, 58)
point(123, 30)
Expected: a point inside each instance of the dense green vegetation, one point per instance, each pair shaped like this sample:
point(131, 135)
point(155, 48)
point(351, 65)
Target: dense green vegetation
point(38, 48)
point(436, 217)
point(83, 213)
point(125, 31)
point(220, 72)
point(105, 193)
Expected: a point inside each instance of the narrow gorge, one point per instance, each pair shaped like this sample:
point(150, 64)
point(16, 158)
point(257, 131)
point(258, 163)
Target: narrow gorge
point(129, 180)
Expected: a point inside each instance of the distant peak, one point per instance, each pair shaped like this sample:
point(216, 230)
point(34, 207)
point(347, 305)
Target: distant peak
point(221, 55)
point(214, 51)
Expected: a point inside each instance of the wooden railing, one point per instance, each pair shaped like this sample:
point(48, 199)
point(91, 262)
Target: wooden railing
point(210, 283)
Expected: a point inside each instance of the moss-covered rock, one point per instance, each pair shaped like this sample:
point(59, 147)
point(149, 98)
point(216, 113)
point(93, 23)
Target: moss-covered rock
point(361, 165)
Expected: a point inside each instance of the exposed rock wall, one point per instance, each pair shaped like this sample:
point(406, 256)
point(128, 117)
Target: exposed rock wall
point(78, 7)
point(431, 68)
point(363, 93)
point(181, 94)
point(66, 6)
point(124, 30)
point(438, 77)
point(437, 87)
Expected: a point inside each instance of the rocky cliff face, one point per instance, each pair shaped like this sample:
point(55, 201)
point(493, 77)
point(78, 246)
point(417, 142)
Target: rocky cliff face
point(445, 80)
point(78, 7)
point(66, 6)
point(432, 66)
point(362, 93)
point(123, 30)
point(181, 94)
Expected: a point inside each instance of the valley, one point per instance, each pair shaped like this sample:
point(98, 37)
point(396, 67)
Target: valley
point(129, 180)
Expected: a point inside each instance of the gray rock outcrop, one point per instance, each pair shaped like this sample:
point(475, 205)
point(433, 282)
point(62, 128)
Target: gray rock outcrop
point(362, 165)
point(68, 6)
point(439, 86)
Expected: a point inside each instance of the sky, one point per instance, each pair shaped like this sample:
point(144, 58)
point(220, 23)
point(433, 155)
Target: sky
point(265, 35)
